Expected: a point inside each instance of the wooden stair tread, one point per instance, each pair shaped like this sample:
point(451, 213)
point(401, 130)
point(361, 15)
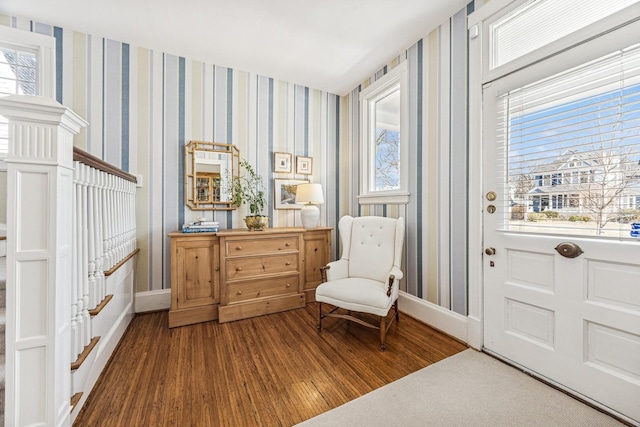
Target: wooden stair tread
point(83, 356)
point(100, 306)
point(75, 399)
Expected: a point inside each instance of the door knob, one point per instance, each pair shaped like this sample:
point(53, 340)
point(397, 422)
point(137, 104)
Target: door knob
point(490, 251)
point(569, 250)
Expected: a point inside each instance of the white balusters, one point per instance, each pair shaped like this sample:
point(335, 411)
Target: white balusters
point(104, 233)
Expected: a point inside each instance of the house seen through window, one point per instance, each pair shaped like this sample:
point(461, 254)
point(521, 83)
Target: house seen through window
point(572, 145)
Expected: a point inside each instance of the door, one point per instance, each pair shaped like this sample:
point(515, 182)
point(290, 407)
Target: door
point(562, 278)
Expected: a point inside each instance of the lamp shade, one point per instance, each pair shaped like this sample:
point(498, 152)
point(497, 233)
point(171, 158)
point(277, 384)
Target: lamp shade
point(309, 194)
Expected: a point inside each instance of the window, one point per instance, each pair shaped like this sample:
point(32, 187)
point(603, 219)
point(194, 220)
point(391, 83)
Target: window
point(588, 118)
point(382, 140)
point(538, 23)
point(26, 68)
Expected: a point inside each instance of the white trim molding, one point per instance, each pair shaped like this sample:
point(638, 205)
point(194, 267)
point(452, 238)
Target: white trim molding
point(152, 300)
point(440, 318)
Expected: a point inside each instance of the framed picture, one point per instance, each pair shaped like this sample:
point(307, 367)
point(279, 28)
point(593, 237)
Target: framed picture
point(282, 162)
point(303, 165)
point(285, 193)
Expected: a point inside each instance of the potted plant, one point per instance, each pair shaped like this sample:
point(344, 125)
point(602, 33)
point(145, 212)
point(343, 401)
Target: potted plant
point(248, 189)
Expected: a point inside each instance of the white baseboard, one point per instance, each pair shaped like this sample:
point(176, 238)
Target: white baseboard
point(152, 300)
point(440, 318)
point(475, 337)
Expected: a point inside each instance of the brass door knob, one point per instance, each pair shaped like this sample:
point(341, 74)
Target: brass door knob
point(490, 251)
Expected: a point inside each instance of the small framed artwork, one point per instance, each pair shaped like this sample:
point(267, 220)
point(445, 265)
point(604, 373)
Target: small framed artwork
point(285, 193)
point(282, 162)
point(303, 165)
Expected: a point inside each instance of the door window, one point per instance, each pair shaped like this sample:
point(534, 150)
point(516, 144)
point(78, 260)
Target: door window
point(571, 147)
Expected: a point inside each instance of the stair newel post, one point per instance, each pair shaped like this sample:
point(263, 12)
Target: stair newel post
point(93, 296)
point(39, 260)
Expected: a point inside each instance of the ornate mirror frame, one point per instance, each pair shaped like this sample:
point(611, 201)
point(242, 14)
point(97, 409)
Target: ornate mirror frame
point(207, 168)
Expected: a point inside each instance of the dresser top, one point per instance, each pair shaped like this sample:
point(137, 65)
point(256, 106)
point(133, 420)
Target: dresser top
point(244, 231)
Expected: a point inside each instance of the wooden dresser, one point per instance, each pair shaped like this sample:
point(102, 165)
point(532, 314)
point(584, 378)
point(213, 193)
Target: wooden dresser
point(237, 274)
point(260, 272)
point(195, 278)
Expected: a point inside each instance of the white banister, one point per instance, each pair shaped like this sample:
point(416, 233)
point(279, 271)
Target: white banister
point(104, 234)
point(70, 222)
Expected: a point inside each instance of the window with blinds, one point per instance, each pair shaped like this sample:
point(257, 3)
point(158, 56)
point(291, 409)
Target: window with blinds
point(537, 23)
point(17, 76)
point(569, 148)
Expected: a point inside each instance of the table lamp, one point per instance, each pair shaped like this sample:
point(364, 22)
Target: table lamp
point(309, 195)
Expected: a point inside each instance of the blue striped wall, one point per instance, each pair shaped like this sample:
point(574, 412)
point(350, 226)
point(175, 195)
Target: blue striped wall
point(143, 106)
point(435, 261)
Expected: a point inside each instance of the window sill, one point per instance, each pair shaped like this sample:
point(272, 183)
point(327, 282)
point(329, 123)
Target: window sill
point(384, 199)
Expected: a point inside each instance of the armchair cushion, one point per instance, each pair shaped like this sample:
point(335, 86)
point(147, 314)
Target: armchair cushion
point(356, 294)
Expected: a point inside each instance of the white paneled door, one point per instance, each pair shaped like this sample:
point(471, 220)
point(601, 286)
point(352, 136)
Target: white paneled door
point(562, 197)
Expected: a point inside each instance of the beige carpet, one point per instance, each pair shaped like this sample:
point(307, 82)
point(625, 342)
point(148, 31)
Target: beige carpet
point(468, 389)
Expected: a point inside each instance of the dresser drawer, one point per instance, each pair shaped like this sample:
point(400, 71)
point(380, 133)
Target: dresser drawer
point(261, 246)
point(241, 268)
point(262, 288)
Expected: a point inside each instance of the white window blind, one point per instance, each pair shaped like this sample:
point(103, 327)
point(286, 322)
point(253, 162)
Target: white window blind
point(569, 150)
point(540, 22)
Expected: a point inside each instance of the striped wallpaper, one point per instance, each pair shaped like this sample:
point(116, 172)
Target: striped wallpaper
point(144, 105)
point(435, 261)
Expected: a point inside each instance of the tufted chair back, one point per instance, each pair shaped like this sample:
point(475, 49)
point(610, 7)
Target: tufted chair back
point(372, 245)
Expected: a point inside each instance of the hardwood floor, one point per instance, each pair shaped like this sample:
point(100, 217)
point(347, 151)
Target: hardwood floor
point(274, 370)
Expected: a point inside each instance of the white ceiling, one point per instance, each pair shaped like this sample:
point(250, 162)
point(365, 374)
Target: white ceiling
point(332, 45)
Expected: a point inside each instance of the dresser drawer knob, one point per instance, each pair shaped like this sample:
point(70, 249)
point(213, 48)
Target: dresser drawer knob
point(288, 285)
point(287, 263)
point(238, 248)
point(239, 292)
point(287, 244)
point(238, 268)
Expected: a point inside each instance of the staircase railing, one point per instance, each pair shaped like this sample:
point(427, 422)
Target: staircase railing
point(104, 233)
point(70, 221)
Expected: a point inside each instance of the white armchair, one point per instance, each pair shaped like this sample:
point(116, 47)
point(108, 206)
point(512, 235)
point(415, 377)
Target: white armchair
point(366, 278)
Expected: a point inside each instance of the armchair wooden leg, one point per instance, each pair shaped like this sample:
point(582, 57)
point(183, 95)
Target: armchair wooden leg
point(395, 305)
point(383, 331)
point(319, 319)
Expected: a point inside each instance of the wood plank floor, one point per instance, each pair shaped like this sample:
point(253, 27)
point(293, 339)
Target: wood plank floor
point(274, 370)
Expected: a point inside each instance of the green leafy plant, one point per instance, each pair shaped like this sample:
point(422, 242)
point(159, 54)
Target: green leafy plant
point(248, 189)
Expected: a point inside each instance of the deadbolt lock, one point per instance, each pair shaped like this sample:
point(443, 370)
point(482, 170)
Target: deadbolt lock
point(491, 209)
point(491, 196)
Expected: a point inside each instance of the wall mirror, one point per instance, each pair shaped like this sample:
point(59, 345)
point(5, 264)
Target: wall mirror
point(209, 168)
